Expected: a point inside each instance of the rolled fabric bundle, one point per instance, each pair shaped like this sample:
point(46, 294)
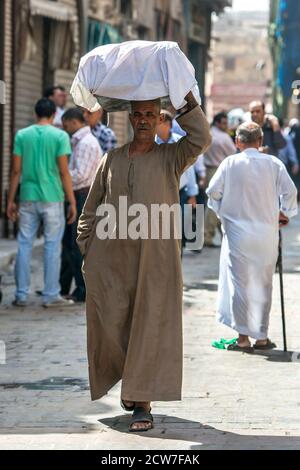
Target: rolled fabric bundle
point(111, 76)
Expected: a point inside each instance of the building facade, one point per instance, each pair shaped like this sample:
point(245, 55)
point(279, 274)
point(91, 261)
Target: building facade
point(241, 69)
point(40, 47)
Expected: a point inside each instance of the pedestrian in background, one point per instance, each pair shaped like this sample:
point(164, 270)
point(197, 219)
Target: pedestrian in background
point(85, 159)
point(40, 162)
point(294, 132)
point(288, 154)
point(105, 135)
point(252, 194)
point(58, 95)
point(201, 179)
point(221, 146)
point(273, 139)
point(188, 189)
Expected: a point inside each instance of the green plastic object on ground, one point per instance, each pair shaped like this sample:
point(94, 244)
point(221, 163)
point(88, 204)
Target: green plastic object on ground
point(223, 343)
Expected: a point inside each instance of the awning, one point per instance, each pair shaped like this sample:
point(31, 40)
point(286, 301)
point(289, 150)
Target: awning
point(55, 10)
point(100, 33)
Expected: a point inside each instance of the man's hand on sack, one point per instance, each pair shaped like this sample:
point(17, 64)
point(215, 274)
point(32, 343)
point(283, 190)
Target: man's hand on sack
point(191, 103)
point(283, 219)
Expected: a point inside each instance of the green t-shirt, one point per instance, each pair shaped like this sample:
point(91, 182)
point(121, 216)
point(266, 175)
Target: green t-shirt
point(39, 146)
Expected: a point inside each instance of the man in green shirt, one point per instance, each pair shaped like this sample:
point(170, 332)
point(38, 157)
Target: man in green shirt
point(40, 164)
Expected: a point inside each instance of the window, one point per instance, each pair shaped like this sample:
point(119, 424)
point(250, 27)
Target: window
point(126, 8)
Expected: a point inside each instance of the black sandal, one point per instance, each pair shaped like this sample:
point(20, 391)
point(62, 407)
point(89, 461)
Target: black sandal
point(236, 347)
point(269, 345)
point(125, 407)
point(140, 415)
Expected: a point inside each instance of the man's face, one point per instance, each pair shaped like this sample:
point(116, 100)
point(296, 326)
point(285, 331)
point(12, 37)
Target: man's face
point(145, 119)
point(92, 119)
point(257, 113)
point(65, 99)
point(59, 97)
point(71, 125)
point(223, 124)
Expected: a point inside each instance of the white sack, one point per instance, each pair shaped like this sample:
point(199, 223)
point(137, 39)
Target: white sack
point(114, 74)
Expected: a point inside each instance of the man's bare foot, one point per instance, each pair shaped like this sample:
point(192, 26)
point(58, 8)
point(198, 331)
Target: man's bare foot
point(243, 341)
point(142, 425)
point(261, 342)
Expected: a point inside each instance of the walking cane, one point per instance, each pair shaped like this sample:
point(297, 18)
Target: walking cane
point(279, 264)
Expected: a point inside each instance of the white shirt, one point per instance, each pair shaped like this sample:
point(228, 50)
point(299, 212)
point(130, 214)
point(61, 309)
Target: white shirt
point(247, 187)
point(221, 146)
point(199, 166)
point(188, 177)
point(57, 122)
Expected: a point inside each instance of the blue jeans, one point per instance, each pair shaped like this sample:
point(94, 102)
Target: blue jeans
point(52, 216)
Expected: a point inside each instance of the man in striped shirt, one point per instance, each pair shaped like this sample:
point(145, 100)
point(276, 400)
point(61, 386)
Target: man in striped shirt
point(105, 136)
point(84, 161)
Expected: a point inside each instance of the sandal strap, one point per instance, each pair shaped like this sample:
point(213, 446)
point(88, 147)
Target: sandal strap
point(140, 415)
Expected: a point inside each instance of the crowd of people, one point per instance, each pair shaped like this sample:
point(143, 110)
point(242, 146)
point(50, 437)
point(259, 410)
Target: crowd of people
point(82, 138)
point(54, 164)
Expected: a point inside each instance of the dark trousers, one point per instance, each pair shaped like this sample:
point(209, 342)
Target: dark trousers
point(71, 259)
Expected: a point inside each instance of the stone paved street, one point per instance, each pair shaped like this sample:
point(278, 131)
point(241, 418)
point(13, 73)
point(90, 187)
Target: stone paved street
point(231, 400)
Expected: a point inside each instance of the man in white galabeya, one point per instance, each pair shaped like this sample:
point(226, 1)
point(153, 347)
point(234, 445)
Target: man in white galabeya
point(253, 195)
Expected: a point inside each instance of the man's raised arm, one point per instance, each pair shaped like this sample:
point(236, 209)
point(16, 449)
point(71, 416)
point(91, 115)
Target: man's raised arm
point(198, 138)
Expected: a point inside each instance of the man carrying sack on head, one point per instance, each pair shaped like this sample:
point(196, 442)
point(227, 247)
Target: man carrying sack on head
point(134, 284)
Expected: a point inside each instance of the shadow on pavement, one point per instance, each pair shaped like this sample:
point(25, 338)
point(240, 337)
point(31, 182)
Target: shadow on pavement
point(277, 355)
point(201, 436)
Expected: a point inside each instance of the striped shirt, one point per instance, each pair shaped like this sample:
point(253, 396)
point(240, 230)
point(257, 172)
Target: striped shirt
point(106, 137)
point(85, 158)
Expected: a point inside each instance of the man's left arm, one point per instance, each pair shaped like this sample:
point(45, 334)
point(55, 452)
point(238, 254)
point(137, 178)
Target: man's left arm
point(279, 141)
point(198, 138)
point(12, 210)
point(215, 188)
point(287, 192)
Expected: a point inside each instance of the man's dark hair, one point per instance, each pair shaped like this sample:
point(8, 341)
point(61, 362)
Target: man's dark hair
point(51, 89)
point(167, 116)
point(44, 108)
point(218, 118)
point(73, 113)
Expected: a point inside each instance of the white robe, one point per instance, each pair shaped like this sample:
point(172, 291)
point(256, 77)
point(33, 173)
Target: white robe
point(245, 193)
